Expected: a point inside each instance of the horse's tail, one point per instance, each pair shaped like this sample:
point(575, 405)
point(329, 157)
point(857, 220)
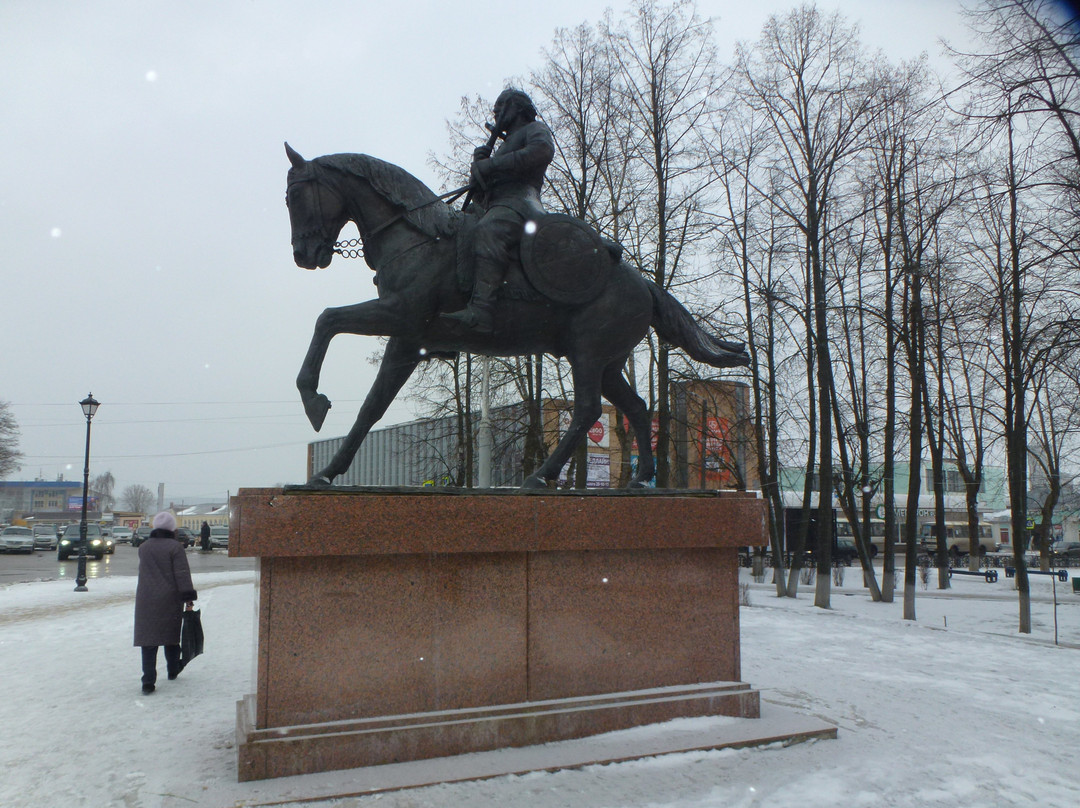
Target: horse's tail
point(676, 325)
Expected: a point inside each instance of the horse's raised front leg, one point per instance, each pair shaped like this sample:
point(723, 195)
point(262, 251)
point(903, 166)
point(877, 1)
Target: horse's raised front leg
point(372, 317)
point(586, 410)
point(619, 392)
point(398, 363)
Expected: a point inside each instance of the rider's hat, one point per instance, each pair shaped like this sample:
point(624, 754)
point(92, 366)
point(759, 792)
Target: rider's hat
point(521, 99)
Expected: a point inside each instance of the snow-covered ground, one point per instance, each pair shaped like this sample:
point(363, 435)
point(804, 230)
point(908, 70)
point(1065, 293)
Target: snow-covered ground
point(955, 710)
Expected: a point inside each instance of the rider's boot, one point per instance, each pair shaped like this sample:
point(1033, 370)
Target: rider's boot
point(478, 316)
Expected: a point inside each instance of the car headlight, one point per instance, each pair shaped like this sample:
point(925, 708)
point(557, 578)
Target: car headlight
point(65, 541)
point(95, 541)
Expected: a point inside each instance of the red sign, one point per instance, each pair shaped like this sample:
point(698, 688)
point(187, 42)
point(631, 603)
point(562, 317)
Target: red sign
point(596, 432)
point(716, 454)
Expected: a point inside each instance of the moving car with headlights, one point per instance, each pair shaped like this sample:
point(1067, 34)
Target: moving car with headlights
point(16, 539)
point(96, 545)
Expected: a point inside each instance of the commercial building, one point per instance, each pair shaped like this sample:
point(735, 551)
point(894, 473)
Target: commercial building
point(710, 445)
point(60, 499)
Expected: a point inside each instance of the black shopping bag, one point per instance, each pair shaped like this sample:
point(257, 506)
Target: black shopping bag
point(191, 637)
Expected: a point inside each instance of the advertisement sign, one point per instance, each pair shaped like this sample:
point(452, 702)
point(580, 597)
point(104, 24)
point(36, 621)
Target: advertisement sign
point(597, 471)
point(716, 452)
point(599, 433)
point(75, 503)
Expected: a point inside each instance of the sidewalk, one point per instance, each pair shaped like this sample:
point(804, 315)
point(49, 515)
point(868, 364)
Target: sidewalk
point(954, 710)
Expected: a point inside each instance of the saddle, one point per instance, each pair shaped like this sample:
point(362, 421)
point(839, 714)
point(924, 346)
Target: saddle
point(561, 259)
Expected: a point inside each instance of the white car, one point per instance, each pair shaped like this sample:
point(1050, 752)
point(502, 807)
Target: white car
point(122, 535)
point(17, 539)
point(219, 536)
point(45, 537)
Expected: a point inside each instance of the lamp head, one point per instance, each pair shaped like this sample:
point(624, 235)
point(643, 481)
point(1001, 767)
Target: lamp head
point(89, 406)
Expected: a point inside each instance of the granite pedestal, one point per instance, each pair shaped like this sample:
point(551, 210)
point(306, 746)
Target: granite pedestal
point(405, 624)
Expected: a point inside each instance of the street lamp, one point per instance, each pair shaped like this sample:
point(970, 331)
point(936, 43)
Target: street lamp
point(89, 407)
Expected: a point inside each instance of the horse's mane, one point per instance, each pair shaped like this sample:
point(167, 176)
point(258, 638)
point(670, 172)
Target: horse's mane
point(423, 208)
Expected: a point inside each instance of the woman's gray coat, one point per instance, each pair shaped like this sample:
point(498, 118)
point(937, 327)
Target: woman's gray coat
point(164, 586)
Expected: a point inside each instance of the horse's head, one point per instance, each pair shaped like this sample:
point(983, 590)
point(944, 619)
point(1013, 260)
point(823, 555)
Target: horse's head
point(316, 211)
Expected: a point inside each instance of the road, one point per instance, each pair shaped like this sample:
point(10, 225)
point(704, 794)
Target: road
point(43, 566)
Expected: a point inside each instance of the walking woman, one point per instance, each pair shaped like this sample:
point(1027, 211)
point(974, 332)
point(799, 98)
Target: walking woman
point(163, 590)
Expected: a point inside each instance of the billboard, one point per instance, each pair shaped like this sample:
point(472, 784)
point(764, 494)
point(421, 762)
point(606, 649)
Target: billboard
point(597, 472)
point(75, 503)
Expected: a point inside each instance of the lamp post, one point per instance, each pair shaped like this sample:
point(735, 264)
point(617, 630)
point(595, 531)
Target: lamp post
point(89, 407)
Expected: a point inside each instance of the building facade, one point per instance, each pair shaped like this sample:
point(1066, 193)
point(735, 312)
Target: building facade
point(709, 446)
point(22, 499)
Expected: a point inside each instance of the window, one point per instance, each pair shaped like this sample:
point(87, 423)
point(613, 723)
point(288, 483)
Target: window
point(954, 483)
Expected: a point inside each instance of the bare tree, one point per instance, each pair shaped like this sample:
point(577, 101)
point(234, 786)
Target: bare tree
point(9, 441)
point(853, 413)
point(1032, 56)
point(1024, 89)
point(578, 88)
point(137, 498)
point(807, 77)
point(1054, 449)
point(973, 394)
point(667, 80)
point(102, 487)
point(752, 240)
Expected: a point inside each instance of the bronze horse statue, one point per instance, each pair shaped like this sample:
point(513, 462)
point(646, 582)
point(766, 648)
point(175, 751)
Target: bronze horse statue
point(408, 235)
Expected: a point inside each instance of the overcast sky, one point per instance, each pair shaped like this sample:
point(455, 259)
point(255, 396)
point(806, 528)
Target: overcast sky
point(144, 241)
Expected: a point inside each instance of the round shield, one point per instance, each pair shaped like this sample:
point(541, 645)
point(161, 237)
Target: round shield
point(564, 258)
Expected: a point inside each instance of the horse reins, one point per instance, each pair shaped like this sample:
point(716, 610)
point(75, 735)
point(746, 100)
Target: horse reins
point(354, 247)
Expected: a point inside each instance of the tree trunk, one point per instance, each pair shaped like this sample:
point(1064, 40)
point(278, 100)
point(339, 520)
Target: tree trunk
point(915, 431)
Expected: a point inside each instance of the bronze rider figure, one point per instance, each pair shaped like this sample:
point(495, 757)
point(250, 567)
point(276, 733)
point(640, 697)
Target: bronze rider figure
point(509, 182)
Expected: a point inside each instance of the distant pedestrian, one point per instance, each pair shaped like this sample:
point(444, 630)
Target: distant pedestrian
point(163, 591)
point(204, 536)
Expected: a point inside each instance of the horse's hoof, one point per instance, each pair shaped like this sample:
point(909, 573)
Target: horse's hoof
point(319, 481)
point(532, 483)
point(316, 407)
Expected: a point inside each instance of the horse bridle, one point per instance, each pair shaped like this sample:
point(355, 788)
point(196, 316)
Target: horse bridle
point(319, 230)
point(354, 248)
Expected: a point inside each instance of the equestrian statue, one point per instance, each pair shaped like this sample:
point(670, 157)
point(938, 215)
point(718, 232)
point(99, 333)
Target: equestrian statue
point(501, 277)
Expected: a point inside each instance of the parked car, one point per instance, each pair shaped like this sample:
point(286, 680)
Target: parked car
point(96, 545)
point(219, 536)
point(1067, 554)
point(122, 535)
point(17, 539)
point(141, 534)
point(186, 537)
point(45, 537)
